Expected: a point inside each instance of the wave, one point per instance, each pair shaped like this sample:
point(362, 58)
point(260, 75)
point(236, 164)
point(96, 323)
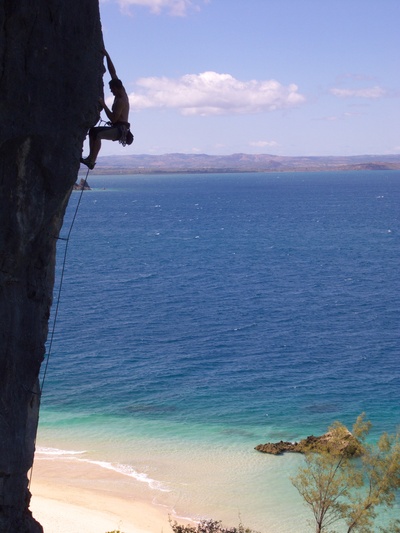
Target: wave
point(129, 471)
point(42, 450)
point(126, 470)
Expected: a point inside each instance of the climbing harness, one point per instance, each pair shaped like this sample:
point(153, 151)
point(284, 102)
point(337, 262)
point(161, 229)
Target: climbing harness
point(125, 136)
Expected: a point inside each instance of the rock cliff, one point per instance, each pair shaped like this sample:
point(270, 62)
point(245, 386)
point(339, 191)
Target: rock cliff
point(50, 79)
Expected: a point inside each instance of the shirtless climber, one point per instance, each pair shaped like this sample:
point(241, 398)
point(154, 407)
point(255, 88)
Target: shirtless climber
point(118, 130)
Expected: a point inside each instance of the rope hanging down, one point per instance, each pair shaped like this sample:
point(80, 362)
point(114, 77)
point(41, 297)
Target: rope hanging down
point(61, 283)
point(58, 303)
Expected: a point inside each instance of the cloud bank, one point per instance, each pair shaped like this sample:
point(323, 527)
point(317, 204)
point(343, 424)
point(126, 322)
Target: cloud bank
point(211, 93)
point(368, 92)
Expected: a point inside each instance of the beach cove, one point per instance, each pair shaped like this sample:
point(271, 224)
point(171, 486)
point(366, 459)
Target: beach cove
point(121, 502)
point(203, 315)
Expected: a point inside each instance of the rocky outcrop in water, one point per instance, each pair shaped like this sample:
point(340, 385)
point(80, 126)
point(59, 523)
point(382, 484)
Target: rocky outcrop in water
point(327, 443)
point(83, 185)
point(50, 79)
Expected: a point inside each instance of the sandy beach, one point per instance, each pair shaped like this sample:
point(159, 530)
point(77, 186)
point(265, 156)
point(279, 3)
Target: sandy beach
point(72, 497)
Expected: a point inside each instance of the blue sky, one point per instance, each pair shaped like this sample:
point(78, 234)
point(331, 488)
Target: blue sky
point(284, 77)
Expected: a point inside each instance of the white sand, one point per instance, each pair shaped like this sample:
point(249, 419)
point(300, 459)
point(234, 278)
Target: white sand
point(74, 498)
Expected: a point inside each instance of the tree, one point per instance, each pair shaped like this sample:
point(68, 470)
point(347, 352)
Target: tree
point(339, 484)
point(50, 80)
point(380, 470)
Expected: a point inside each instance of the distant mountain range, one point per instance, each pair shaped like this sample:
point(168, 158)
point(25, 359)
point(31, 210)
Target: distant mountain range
point(203, 163)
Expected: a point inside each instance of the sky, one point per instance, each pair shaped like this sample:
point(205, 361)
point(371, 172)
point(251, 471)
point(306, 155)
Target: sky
point(282, 77)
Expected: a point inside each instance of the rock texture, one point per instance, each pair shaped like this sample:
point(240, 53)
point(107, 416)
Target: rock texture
point(327, 443)
point(50, 80)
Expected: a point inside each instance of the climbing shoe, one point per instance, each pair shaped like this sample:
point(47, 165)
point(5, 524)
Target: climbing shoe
point(88, 163)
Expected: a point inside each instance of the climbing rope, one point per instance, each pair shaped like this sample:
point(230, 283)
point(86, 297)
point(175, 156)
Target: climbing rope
point(58, 303)
point(61, 283)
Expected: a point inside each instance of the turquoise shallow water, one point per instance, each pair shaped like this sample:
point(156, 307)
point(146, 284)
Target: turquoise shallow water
point(204, 314)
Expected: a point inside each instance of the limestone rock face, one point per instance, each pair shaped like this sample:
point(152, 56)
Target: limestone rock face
point(50, 79)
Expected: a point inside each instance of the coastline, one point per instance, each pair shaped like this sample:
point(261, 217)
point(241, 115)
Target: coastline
point(72, 492)
point(180, 163)
point(68, 496)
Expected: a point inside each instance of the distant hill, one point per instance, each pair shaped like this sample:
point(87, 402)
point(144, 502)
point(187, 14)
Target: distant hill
point(203, 163)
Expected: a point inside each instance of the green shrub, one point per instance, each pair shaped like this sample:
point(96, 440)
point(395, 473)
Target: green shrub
point(209, 526)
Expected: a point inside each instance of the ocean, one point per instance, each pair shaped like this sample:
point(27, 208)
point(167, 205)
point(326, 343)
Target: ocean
point(203, 314)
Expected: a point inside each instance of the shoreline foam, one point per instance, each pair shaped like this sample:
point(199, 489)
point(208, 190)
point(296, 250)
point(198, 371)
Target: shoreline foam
point(71, 496)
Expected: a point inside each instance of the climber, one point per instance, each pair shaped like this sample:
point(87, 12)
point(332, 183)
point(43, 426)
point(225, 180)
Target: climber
point(118, 128)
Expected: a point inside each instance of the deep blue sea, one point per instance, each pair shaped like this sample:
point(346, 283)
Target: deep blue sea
point(201, 315)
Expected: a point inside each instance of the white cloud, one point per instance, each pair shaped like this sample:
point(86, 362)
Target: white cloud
point(210, 93)
point(368, 92)
point(177, 8)
point(263, 144)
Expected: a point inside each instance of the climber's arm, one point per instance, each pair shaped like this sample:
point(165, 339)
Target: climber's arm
point(114, 114)
point(110, 65)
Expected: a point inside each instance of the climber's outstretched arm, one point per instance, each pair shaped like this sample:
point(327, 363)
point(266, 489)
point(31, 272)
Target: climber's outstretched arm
point(110, 65)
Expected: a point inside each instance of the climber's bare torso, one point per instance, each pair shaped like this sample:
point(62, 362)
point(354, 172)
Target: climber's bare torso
point(120, 108)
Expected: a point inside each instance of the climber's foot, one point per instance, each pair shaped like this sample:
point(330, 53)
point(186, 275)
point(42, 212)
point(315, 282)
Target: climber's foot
point(86, 161)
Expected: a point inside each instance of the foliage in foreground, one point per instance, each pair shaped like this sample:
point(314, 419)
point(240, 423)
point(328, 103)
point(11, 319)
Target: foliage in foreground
point(208, 526)
point(337, 487)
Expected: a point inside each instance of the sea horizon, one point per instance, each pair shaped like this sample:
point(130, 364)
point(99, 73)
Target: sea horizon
point(185, 163)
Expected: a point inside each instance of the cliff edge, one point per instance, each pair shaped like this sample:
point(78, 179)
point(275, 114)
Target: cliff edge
point(50, 80)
